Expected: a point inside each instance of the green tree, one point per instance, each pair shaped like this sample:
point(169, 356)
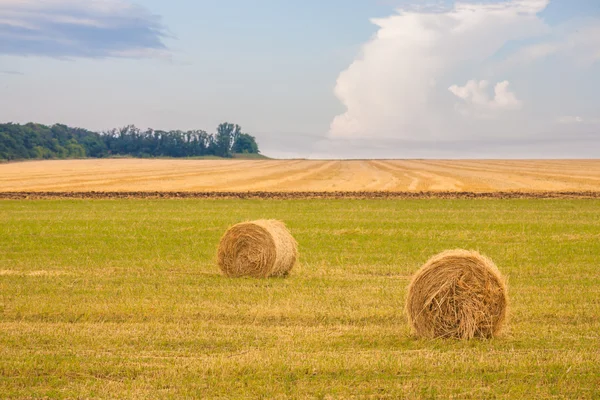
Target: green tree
point(225, 137)
point(245, 144)
point(60, 141)
point(74, 149)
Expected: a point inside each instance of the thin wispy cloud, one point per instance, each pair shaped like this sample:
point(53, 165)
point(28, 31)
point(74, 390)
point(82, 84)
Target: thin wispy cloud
point(580, 43)
point(71, 28)
point(579, 120)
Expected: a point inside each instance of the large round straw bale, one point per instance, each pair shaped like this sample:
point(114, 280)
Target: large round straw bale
point(457, 294)
point(260, 249)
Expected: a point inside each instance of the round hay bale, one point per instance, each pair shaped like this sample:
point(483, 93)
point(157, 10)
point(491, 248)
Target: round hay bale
point(260, 249)
point(457, 294)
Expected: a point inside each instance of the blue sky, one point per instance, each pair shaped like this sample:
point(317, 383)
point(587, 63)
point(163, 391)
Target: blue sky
point(341, 79)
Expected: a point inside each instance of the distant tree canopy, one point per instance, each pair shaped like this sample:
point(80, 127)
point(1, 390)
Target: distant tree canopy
point(36, 141)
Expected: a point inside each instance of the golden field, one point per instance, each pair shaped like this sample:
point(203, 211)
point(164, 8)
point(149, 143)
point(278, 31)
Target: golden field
point(301, 175)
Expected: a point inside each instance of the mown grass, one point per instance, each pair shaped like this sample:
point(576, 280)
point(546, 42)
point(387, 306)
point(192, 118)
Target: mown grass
point(122, 299)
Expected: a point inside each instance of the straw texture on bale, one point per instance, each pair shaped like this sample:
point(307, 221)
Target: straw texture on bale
point(260, 249)
point(457, 294)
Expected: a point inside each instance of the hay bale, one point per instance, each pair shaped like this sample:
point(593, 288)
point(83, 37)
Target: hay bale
point(457, 294)
point(259, 249)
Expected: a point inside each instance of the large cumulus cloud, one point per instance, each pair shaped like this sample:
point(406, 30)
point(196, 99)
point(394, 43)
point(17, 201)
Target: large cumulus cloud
point(449, 75)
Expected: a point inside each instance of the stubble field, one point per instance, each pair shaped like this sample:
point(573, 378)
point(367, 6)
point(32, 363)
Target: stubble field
point(301, 175)
point(122, 299)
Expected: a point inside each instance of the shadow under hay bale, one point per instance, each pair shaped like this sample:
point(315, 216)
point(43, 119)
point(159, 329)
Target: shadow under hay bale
point(457, 294)
point(260, 249)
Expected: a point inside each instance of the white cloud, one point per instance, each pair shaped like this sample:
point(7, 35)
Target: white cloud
point(569, 119)
point(577, 120)
point(398, 86)
point(476, 99)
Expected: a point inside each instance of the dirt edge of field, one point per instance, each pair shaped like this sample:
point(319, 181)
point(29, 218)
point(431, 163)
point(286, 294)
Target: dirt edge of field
point(298, 195)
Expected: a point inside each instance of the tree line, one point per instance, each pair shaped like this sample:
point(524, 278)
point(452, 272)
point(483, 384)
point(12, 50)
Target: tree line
point(36, 141)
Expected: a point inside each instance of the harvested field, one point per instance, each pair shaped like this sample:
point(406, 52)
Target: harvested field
point(116, 299)
point(309, 176)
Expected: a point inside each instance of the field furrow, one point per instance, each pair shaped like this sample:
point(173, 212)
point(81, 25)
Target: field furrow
point(137, 175)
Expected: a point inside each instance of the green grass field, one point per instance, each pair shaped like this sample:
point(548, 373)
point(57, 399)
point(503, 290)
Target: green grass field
point(122, 299)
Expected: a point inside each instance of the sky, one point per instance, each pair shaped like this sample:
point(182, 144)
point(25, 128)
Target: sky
point(316, 78)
